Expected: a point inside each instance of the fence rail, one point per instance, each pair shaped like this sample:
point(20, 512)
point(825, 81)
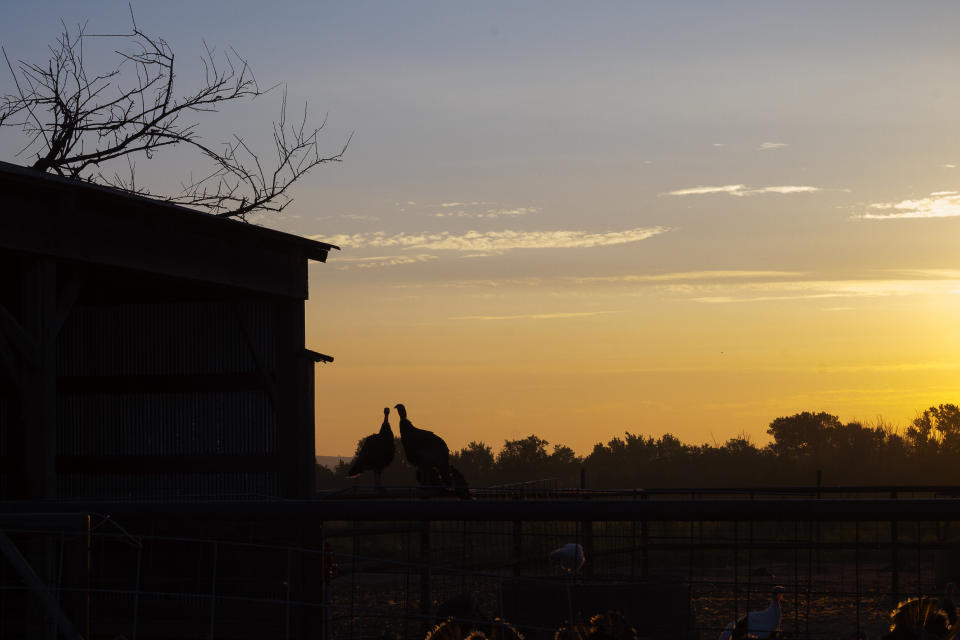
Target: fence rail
point(359, 564)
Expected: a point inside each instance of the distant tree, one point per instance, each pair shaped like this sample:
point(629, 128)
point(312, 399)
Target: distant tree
point(670, 448)
point(86, 124)
point(921, 436)
point(524, 459)
point(563, 463)
point(940, 424)
point(802, 436)
point(740, 447)
point(325, 477)
point(476, 462)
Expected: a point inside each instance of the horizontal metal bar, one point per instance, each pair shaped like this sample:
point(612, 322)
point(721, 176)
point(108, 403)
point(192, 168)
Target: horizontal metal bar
point(839, 510)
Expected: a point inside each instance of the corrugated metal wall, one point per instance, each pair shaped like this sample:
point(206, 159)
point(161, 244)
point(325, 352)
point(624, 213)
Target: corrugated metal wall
point(128, 348)
point(165, 338)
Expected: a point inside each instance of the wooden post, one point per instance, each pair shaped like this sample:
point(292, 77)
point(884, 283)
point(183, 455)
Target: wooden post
point(426, 592)
point(31, 444)
point(517, 546)
point(587, 527)
point(894, 559)
point(644, 538)
point(296, 428)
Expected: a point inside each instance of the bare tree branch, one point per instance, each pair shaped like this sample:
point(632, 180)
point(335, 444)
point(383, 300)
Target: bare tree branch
point(77, 123)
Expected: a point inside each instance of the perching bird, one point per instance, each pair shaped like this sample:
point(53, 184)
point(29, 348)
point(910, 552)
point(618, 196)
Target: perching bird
point(919, 619)
point(377, 451)
point(758, 624)
point(570, 556)
point(459, 484)
point(425, 450)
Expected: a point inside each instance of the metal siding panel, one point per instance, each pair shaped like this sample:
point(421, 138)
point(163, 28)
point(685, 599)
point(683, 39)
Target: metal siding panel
point(178, 338)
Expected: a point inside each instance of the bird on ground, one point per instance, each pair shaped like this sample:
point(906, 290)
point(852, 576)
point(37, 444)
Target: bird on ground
point(376, 452)
point(570, 556)
point(500, 629)
point(758, 624)
point(450, 629)
point(949, 603)
point(425, 450)
point(609, 626)
point(921, 619)
point(447, 630)
point(463, 608)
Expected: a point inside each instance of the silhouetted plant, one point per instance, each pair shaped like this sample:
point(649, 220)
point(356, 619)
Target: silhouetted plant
point(79, 122)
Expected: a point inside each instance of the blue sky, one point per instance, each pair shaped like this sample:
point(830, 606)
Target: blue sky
point(556, 212)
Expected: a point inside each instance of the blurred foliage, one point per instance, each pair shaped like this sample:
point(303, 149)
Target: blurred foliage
point(926, 452)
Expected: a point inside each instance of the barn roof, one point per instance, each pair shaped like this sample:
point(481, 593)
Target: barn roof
point(46, 214)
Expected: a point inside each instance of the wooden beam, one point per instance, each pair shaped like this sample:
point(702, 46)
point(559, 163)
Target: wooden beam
point(68, 296)
point(266, 376)
point(38, 405)
point(8, 363)
point(24, 343)
point(37, 587)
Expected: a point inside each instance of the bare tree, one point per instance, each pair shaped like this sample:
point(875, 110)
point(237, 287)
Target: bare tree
point(81, 124)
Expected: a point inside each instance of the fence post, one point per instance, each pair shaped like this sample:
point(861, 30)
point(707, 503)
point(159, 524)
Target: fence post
point(644, 537)
point(136, 593)
point(517, 541)
point(819, 532)
point(894, 559)
point(286, 611)
point(856, 577)
point(426, 594)
point(213, 592)
point(587, 526)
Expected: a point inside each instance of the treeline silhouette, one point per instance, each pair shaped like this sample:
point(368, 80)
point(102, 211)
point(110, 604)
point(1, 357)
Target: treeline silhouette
point(926, 452)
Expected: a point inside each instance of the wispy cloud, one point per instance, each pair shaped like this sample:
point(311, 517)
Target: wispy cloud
point(475, 203)
point(681, 276)
point(821, 289)
point(889, 367)
point(477, 241)
point(475, 283)
point(488, 213)
point(650, 279)
point(742, 190)
point(770, 146)
point(381, 261)
point(940, 204)
point(536, 316)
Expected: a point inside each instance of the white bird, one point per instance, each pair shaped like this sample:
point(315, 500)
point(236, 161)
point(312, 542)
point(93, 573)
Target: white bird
point(570, 556)
point(758, 624)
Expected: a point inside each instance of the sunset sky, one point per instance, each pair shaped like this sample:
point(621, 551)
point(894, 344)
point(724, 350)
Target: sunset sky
point(579, 219)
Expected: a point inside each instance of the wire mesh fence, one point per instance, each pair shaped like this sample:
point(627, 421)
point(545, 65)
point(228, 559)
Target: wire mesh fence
point(373, 575)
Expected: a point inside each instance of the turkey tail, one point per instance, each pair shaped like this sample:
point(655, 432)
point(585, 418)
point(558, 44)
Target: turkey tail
point(459, 484)
point(448, 630)
point(921, 616)
point(355, 469)
point(500, 629)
